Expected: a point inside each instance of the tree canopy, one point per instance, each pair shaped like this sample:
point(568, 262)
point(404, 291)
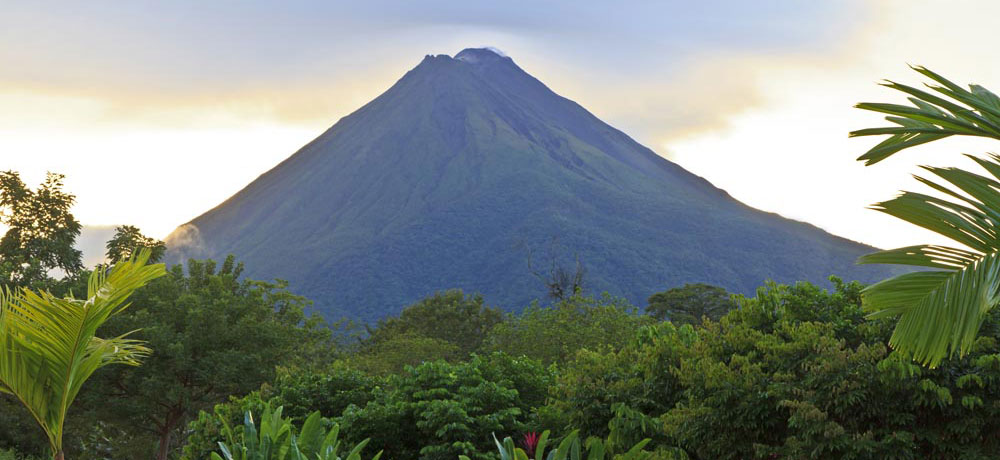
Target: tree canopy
point(40, 233)
point(215, 335)
point(128, 240)
point(690, 303)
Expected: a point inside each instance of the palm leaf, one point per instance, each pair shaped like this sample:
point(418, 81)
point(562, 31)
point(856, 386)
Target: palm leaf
point(940, 311)
point(973, 112)
point(48, 346)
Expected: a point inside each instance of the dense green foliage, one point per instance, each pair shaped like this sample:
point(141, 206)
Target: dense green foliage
point(439, 410)
point(557, 333)
point(448, 316)
point(941, 310)
point(571, 448)
point(215, 335)
point(328, 392)
point(385, 400)
point(276, 438)
point(10, 454)
point(690, 303)
point(447, 325)
point(795, 372)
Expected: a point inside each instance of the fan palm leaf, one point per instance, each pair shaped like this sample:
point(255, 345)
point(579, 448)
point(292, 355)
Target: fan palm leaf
point(940, 310)
point(48, 346)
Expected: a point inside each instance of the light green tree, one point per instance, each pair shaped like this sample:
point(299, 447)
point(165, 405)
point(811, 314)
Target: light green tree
point(49, 347)
point(942, 306)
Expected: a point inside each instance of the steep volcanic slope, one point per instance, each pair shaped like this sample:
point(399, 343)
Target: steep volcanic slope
point(444, 179)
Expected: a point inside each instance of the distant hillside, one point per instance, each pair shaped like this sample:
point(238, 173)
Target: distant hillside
point(445, 179)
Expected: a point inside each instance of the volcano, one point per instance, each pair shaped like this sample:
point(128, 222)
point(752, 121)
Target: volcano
point(468, 168)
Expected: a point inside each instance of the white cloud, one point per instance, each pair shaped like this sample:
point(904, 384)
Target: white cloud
point(791, 153)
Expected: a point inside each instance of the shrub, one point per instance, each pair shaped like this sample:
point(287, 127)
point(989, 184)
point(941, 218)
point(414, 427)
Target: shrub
point(439, 410)
point(276, 439)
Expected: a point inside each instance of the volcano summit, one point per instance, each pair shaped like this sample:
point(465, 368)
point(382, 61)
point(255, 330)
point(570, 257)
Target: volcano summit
point(451, 176)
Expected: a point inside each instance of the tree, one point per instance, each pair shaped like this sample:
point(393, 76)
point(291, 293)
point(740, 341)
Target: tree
point(393, 355)
point(447, 325)
point(128, 240)
point(48, 346)
point(41, 230)
point(942, 309)
point(689, 304)
point(215, 336)
point(556, 334)
point(560, 282)
point(449, 316)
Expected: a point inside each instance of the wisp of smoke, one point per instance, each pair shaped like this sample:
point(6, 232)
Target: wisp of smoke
point(184, 243)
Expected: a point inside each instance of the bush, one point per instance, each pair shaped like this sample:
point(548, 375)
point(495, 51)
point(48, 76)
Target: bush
point(439, 410)
point(570, 448)
point(276, 438)
point(11, 454)
point(300, 393)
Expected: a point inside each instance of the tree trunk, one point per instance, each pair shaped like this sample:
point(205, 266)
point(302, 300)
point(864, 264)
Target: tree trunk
point(174, 417)
point(164, 449)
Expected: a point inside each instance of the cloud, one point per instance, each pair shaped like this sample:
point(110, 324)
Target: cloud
point(795, 138)
point(307, 61)
point(753, 95)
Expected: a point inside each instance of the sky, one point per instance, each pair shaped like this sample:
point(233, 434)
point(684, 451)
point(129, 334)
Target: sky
point(159, 111)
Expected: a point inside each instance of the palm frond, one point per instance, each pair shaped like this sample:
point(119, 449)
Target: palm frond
point(972, 112)
point(48, 346)
point(940, 311)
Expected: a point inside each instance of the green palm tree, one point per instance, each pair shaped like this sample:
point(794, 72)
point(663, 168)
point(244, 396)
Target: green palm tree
point(47, 344)
point(941, 307)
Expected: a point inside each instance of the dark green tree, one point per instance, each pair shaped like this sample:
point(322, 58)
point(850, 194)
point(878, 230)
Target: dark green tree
point(689, 304)
point(555, 334)
point(450, 316)
point(214, 335)
point(601, 389)
point(128, 240)
point(40, 233)
point(395, 354)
